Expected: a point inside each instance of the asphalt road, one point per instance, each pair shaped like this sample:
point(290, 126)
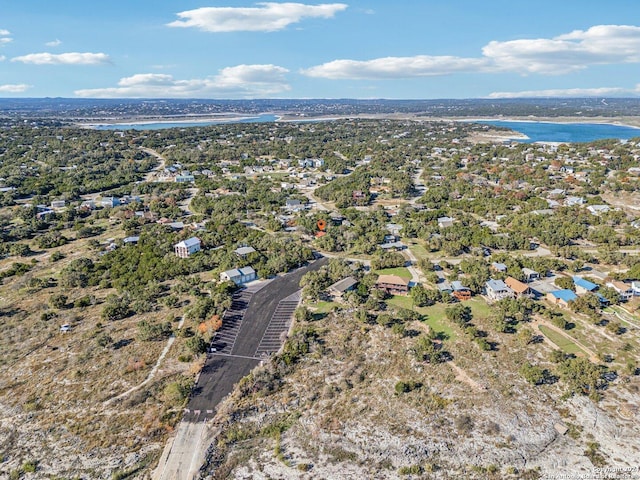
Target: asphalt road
point(222, 372)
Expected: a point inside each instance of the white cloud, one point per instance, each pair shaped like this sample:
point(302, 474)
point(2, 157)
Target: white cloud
point(396, 67)
point(5, 40)
point(599, 45)
point(570, 92)
point(4, 33)
point(72, 58)
point(14, 88)
point(54, 43)
point(266, 17)
point(2, 58)
point(244, 81)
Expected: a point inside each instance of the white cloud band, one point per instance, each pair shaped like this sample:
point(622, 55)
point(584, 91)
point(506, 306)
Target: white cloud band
point(599, 45)
point(72, 58)
point(266, 17)
point(246, 81)
point(14, 88)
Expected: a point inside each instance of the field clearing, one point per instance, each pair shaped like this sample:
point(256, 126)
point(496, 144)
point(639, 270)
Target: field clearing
point(561, 341)
point(402, 272)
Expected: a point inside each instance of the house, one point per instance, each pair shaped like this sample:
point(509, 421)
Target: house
point(583, 286)
point(444, 287)
point(497, 290)
point(498, 267)
point(185, 179)
point(572, 201)
point(239, 275)
point(635, 286)
point(109, 202)
point(530, 275)
point(187, 247)
point(293, 205)
point(392, 246)
point(519, 288)
point(561, 297)
point(625, 290)
point(598, 209)
point(339, 288)
point(244, 251)
point(460, 291)
point(58, 204)
point(444, 222)
point(131, 240)
point(393, 284)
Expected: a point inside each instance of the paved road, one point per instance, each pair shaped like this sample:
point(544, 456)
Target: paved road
point(220, 374)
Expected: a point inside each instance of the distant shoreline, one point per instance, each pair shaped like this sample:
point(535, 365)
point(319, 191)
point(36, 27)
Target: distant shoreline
point(231, 117)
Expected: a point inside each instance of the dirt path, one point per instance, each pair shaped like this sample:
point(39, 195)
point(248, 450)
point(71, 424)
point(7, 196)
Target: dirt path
point(153, 371)
point(540, 321)
point(464, 377)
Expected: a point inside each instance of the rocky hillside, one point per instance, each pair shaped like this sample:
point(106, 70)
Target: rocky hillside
point(360, 404)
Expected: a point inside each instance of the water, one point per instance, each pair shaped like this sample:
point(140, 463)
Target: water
point(566, 132)
point(262, 118)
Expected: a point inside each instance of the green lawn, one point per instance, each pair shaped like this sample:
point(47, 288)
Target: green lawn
point(399, 271)
point(561, 341)
point(323, 307)
point(402, 301)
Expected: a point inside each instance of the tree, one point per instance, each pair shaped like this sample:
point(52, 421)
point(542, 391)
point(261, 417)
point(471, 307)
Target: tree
point(532, 374)
point(196, 344)
point(58, 301)
point(564, 282)
point(459, 314)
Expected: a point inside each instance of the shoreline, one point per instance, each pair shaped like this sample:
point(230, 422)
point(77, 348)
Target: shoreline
point(232, 117)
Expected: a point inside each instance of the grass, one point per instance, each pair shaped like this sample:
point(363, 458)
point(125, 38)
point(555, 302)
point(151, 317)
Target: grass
point(323, 307)
point(434, 314)
point(402, 272)
point(561, 341)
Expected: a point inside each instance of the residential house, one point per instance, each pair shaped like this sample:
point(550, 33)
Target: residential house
point(561, 297)
point(583, 286)
point(497, 290)
point(498, 267)
point(572, 201)
point(635, 286)
point(444, 222)
point(392, 246)
point(625, 290)
point(185, 178)
point(520, 289)
point(187, 247)
point(244, 251)
point(341, 287)
point(239, 276)
point(58, 204)
point(393, 284)
point(131, 240)
point(293, 205)
point(460, 291)
point(444, 287)
point(598, 209)
point(109, 202)
point(530, 275)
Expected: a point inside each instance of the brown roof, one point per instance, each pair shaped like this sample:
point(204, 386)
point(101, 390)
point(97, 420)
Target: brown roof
point(516, 285)
point(392, 280)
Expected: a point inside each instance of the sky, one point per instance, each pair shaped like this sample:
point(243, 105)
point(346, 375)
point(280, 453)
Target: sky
point(395, 49)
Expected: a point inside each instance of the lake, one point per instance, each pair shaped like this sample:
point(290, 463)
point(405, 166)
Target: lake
point(262, 118)
point(565, 132)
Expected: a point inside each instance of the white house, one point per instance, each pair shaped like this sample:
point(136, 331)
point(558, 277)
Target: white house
point(625, 290)
point(444, 222)
point(187, 247)
point(239, 275)
point(598, 209)
point(497, 290)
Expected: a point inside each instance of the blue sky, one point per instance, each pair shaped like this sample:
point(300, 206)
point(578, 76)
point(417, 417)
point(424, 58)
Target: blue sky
point(344, 49)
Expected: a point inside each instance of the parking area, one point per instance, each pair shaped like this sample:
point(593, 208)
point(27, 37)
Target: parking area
point(273, 337)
